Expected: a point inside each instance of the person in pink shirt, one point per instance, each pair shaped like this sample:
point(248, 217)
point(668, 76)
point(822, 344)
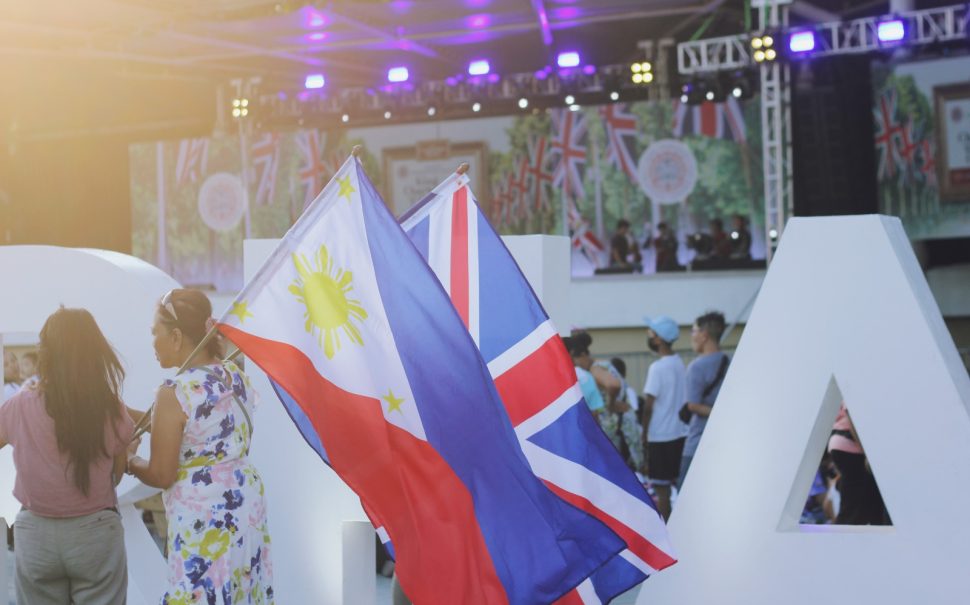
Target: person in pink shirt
point(861, 502)
point(69, 432)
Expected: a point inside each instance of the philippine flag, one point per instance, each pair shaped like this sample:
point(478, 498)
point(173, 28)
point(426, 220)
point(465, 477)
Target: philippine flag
point(378, 371)
point(537, 382)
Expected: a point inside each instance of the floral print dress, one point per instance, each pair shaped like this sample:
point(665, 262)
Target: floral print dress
point(218, 541)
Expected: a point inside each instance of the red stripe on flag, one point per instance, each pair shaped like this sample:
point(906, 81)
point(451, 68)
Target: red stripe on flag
point(638, 545)
point(536, 381)
point(708, 125)
point(459, 253)
point(427, 511)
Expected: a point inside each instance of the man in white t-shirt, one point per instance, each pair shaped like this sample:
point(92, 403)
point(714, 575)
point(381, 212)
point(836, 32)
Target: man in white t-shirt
point(664, 393)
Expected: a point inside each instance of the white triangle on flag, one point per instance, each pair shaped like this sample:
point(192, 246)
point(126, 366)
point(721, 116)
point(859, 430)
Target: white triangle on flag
point(844, 297)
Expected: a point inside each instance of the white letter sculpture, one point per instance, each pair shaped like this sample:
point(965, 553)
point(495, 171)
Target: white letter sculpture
point(844, 303)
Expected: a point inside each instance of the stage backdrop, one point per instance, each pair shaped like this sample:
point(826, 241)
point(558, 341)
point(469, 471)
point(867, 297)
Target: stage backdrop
point(195, 200)
point(922, 114)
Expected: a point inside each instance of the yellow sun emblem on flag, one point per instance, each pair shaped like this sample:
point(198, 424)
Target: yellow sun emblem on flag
point(324, 290)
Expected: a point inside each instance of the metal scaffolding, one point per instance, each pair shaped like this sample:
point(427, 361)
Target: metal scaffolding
point(922, 27)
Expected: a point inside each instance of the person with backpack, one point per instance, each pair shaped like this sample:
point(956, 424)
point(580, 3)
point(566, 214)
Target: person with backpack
point(201, 428)
point(704, 376)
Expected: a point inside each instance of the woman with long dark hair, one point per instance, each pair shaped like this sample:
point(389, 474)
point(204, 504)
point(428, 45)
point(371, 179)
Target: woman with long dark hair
point(69, 433)
point(218, 541)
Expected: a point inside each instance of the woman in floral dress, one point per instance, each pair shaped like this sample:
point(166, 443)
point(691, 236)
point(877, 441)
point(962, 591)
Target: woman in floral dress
point(218, 541)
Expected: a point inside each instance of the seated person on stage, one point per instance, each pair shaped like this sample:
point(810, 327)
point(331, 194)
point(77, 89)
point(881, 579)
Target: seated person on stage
point(623, 255)
point(740, 239)
point(666, 245)
point(720, 240)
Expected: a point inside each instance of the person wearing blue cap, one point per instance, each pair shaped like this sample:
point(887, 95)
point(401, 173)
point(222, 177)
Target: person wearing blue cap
point(664, 394)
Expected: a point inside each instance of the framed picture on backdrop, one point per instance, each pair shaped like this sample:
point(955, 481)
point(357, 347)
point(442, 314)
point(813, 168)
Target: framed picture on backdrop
point(952, 107)
point(412, 172)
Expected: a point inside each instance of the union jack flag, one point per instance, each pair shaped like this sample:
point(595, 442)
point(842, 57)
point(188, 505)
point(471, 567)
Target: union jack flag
point(621, 138)
point(537, 170)
point(264, 153)
point(501, 203)
point(907, 151)
point(537, 383)
point(190, 165)
point(716, 120)
point(583, 238)
point(889, 130)
point(569, 150)
point(315, 170)
point(520, 190)
point(927, 161)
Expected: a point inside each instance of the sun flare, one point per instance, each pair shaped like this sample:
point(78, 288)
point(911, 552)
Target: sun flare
point(324, 290)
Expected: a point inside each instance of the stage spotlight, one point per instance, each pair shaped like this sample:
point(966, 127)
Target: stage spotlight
point(523, 103)
point(800, 42)
point(476, 106)
point(345, 118)
point(398, 74)
point(891, 31)
point(772, 234)
point(570, 100)
point(479, 67)
point(240, 108)
point(614, 96)
point(432, 111)
point(568, 59)
point(693, 93)
point(641, 72)
point(387, 115)
point(314, 81)
point(763, 47)
point(741, 85)
point(574, 107)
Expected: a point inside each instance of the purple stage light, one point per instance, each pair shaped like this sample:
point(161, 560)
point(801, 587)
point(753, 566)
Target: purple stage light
point(314, 81)
point(397, 74)
point(479, 67)
point(451, 81)
point(493, 78)
point(478, 21)
point(589, 69)
point(317, 36)
point(315, 19)
point(802, 42)
point(891, 31)
point(568, 59)
point(541, 74)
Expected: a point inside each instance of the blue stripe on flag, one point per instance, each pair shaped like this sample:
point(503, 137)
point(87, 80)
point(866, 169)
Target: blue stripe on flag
point(509, 309)
point(615, 578)
point(419, 235)
point(593, 451)
point(300, 420)
point(541, 547)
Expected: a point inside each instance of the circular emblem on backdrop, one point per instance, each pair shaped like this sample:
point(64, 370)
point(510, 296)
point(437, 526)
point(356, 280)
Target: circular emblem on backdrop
point(667, 171)
point(221, 201)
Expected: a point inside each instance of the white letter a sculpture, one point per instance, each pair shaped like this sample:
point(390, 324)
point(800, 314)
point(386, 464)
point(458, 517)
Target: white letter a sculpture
point(844, 303)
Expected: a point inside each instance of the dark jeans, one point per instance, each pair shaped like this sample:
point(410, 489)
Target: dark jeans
point(861, 501)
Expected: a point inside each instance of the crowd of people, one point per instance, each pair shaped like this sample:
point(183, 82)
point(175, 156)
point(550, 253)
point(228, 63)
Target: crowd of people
point(714, 249)
point(73, 439)
point(658, 431)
